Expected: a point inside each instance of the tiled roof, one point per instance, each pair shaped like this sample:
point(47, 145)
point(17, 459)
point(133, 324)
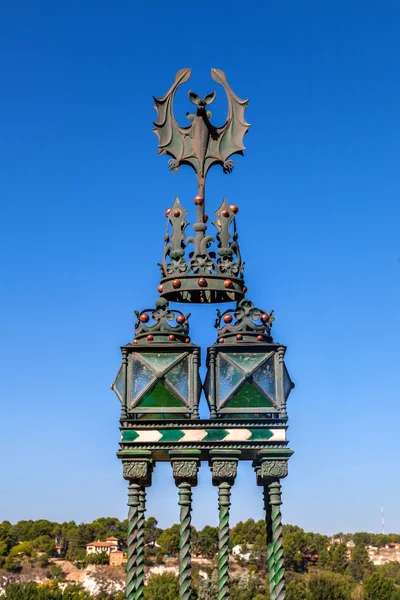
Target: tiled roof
point(100, 544)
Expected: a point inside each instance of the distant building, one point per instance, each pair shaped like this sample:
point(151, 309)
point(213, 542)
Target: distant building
point(110, 545)
point(117, 558)
point(237, 551)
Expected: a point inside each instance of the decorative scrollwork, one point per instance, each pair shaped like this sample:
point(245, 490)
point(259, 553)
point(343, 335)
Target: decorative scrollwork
point(159, 326)
point(202, 258)
point(273, 468)
point(136, 470)
point(245, 321)
point(185, 469)
point(224, 469)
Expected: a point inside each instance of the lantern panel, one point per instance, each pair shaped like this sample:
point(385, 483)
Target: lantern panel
point(178, 376)
point(142, 376)
point(118, 385)
point(248, 396)
point(229, 377)
point(247, 361)
point(159, 396)
point(160, 361)
point(287, 382)
point(265, 377)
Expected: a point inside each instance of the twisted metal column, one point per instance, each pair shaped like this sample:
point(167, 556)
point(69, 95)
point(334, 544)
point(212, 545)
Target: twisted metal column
point(276, 567)
point(133, 503)
point(224, 502)
point(185, 565)
point(185, 465)
point(139, 595)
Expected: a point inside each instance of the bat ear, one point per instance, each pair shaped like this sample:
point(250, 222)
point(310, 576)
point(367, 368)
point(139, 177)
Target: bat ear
point(210, 98)
point(194, 97)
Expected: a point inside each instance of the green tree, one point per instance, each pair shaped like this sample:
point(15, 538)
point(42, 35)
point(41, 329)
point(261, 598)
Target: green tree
point(328, 586)
point(162, 587)
point(44, 543)
point(151, 531)
point(13, 564)
point(294, 547)
point(339, 560)
point(360, 565)
point(22, 549)
point(296, 589)
point(378, 587)
point(324, 559)
point(206, 541)
point(363, 538)
point(97, 558)
point(169, 540)
point(391, 570)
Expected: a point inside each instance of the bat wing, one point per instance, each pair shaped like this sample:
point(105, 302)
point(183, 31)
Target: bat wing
point(171, 136)
point(228, 139)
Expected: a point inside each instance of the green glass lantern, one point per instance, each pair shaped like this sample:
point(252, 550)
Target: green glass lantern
point(246, 376)
point(159, 375)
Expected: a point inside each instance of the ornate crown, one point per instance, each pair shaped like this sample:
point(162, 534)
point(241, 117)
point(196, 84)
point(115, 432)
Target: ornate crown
point(199, 268)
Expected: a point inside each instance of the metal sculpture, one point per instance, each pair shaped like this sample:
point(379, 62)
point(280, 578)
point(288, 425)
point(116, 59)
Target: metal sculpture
point(247, 384)
point(201, 145)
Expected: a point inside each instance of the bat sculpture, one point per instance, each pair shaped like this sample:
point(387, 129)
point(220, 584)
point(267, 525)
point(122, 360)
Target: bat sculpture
point(200, 145)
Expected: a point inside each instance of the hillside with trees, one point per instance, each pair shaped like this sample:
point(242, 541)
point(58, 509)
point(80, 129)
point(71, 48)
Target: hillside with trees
point(318, 567)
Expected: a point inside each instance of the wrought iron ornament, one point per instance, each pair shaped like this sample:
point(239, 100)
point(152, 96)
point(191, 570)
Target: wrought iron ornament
point(247, 384)
point(201, 145)
point(208, 276)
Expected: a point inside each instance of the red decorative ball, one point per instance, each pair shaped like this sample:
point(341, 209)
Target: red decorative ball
point(234, 208)
point(171, 337)
point(260, 338)
point(144, 318)
point(177, 213)
point(228, 283)
point(228, 319)
point(221, 340)
point(205, 218)
point(167, 212)
point(239, 336)
point(135, 341)
point(264, 318)
point(202, 282)
point(176, 284)
point(225, 213)
point(159, 288)
point(150, 338)
point(180, 319)
point(199, 200)
point(187, 341)
point(244, 289)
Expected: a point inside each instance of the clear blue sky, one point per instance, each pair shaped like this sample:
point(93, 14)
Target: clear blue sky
point(83, 195)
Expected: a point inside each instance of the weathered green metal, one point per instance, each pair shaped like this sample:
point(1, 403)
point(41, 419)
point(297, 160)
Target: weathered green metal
point(276, 567)
point(224, 470)
point(205, 435)
point(246, 370)
point(137, 470)
point(247, 383)
point(185, 465)
point(139, 595)
point(159, 380)
point(200, 145)
point(214, 270)
point(133, 503)
point(269, 471)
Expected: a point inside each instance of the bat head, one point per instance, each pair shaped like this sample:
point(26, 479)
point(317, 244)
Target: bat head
point(201, 103)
